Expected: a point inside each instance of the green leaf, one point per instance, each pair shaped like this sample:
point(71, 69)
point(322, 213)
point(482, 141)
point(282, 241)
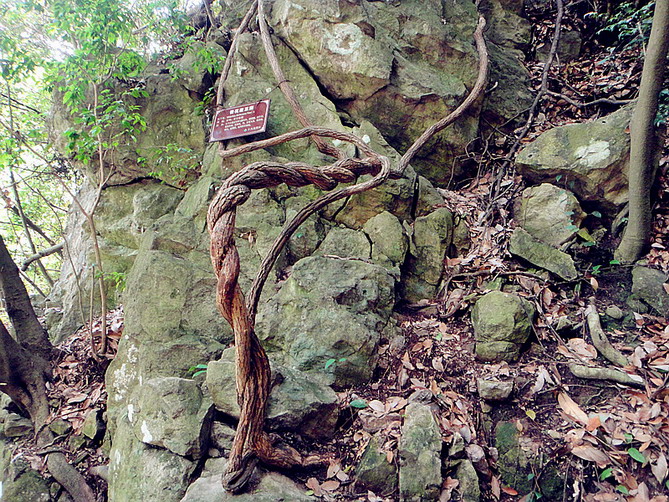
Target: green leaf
point(342, 359)
point(329, 363)
point(572, 228)
point(637, 455)
point(589, 244)
point(358, 403)
point(438, 336)
point(585, 235)
point(199, 373)
point(530, 476)
point(606, 473)
point(558, 178)
point(614, 262)
point(622, 489)
point(596, 214)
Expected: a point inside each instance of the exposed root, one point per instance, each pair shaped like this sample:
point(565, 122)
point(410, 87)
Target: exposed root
point(600, 340)
point(609, 374)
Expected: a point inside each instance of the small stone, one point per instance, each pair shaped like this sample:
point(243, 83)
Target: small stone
point(648, 285)
point(469, 482)
point(92, 427)
point(494, 390)
point(502, 324)
point(638, 306)
point(76, 441)
point(542, 255)
point(60, 427)
point(17, 426)
point(374, 472)
point(457, 446)
point(420, 452)
point(486, 408)
point(615, 312)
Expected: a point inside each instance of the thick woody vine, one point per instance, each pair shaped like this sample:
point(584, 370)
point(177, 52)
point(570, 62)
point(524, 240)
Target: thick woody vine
point(252, 443)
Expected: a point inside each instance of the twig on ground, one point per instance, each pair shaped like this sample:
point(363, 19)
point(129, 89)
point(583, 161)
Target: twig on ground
point(600, 101)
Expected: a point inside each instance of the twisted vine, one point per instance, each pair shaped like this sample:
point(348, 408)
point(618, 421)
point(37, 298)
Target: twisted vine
point(251, 443)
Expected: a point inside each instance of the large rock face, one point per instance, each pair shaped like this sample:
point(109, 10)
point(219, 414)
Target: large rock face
point(123, 215)
point(590, 159)
point(329, 309)
point(399, 75)
point(381, 70)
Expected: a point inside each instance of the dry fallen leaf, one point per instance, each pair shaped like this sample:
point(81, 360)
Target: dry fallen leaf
point(333, 469)
point(659, 468)
point(314, 485)
point(572, 409)
point(495, 487)
point(377, 406)
point(592, 454)
point(582, 349)
point(330, 485)
point(509, 491)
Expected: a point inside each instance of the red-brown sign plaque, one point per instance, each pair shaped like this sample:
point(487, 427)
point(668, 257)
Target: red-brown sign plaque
point(240, 121)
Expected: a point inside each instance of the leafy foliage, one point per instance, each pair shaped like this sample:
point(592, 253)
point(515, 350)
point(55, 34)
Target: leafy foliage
point(90, 55)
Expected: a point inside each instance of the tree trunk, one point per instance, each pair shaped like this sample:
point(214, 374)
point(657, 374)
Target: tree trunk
point(643, 139)
point(25, 368)
point(29, 332)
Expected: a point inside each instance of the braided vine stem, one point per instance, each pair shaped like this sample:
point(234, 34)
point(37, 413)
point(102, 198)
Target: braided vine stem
point(251, 443)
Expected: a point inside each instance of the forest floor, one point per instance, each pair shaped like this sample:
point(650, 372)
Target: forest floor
point(611, 439)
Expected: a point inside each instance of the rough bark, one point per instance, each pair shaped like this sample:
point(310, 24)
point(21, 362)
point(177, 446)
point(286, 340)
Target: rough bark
point(29, 332)
point(25, 369)
point(643, 139)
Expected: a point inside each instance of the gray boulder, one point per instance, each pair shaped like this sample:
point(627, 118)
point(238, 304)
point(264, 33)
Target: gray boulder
point(373, 472)
point(171, 413)
point(494, 390)
point(647, 285)
point(138, 471)
point(432, 235)
point(502, 324)
point(589, 158)
point(389, 241)
point(420, 455)
point(548, 213)
point(264, 487)
point(542, 255)
point(298, 402)
point(346, 243)
point(329, 309)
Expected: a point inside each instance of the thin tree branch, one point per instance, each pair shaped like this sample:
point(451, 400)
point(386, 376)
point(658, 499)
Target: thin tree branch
point(41, 254)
